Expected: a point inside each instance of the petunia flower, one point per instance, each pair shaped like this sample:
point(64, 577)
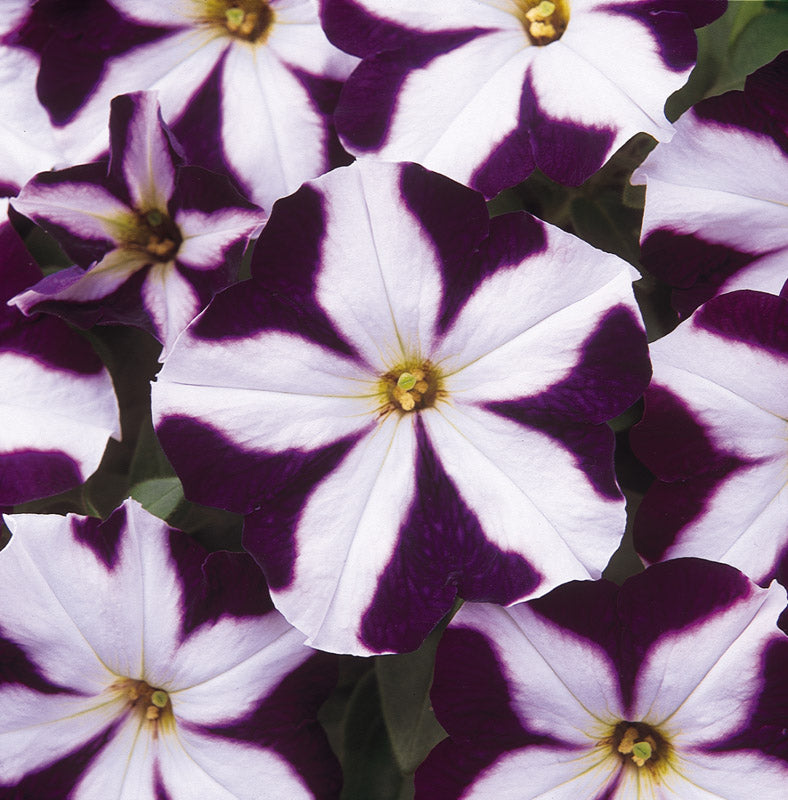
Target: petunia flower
point(248, 86)
point(158, 238)
point(671, 687)
point(409, 402)
point(58, 407)
point(714, 434)
point(135, 667)
point(716, 215)
point(485, 92)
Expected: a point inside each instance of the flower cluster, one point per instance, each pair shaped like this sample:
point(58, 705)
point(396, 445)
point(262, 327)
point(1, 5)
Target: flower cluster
point(328, 469)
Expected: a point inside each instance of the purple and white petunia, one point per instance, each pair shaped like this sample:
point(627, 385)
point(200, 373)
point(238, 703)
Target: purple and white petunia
point(159, 239)
point(714, 434)
point(248, 86)
point(671, 687)
point(485, 92)
point(403, 399)
point(135, 667)
point(716, 215)
point(58, 407)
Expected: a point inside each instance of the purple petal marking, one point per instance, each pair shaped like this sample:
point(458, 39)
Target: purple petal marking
point(512, 238)
point(695, 268)
point(286, 722)
point(102, 538)
point(34, 31)
point(672, 23)
point(82, 250)
point(765, 730)
point(565, 151)
point(16, 667)
point(31, 474)
point(510, 163)
point(666, 598)
point(354, 29)
point(442, 552)
point(274, 486)
point(324, 93)
point(19, 271)
point(269, 532)
point(158, 784)
point(123, 111)
point(58, 780)
point(215, 585)
point(199, 127)
point(369, 97)
point(285, 263)
point(688, 466)
point(756, 318)
point(458, 223)
point(202, 190)
point(50, 341)
point(588, 609)
point(760, 108)
point(766, 89)
point(611, 374)
point(482, 726)
point(8, 189)
point(85, 36)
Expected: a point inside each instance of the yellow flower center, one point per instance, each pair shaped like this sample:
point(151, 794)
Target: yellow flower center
point(410, 386)
point(153, 705)
point(543, 20)
point(151, 232)
point(641, 746)
point(250, 20)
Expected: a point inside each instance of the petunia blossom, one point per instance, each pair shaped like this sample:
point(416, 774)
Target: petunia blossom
point(136, 667)
point(716, 215)
point(403, 399)
point(57, 407)
point(485, 92)
point(158, 238)
point(671, 687)
point(714, 434)
point(248, 86)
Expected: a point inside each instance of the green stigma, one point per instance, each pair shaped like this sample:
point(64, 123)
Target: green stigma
point(545, 8)
point(642, 750)
point(235, 17)
point(406, 381)
point(160, 698)
point(154, 218)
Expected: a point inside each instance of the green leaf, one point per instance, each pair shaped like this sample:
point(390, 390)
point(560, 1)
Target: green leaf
point(762, 40)
point(369, 768)
point(405, 682)
point(160, 496)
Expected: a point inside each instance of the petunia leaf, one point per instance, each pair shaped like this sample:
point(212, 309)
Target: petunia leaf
point(160, 496)
point(404, 682)
point(369, 767)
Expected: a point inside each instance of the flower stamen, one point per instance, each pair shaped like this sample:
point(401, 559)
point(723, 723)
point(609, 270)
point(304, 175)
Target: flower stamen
point(410, 387)
point(544, 21)
point(250, 20)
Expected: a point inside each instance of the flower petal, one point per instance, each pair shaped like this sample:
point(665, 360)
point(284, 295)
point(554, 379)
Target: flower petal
point(59, 416)
point(491, 457)
point(209, 766)
point(141, 153)
point(725, 366)
point(41, 729)
point(345, 534)
point(72, 205)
